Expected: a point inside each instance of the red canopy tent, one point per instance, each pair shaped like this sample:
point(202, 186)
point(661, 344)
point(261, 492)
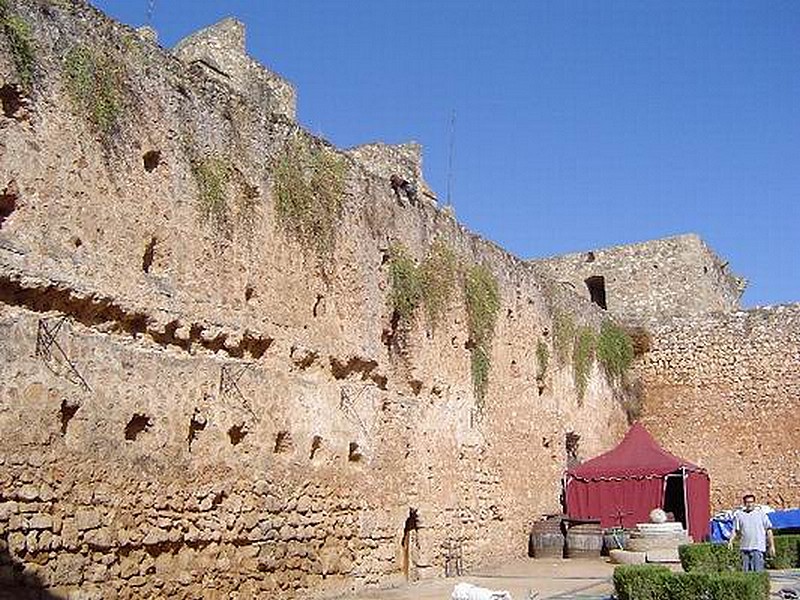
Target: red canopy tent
point(623, 485)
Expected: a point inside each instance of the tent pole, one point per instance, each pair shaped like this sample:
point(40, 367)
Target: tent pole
point(685, 498)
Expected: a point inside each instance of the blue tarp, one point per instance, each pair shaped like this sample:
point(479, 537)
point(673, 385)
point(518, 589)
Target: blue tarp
point(721, 528)
point(785, 519)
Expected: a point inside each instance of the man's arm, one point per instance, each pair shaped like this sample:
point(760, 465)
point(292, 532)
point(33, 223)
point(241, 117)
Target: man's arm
point(735, 531)
point(770, 542)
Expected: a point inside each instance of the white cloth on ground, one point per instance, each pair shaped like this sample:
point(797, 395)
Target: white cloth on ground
point(467, 591)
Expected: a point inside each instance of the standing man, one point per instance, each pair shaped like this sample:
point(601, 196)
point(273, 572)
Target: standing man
point(753, 526)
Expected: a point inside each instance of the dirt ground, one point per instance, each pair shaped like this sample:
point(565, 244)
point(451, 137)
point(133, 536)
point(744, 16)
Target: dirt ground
point(553, 579)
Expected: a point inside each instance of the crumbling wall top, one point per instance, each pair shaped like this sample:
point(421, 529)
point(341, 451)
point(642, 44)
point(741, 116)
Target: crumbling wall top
point(384, 160)
point(678, 275)
point(220, 50)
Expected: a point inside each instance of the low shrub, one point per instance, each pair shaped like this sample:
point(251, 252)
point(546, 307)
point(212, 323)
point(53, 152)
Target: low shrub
point(718, 586)
point(654, 582)
point(787, 552)
point(641, 582)
point(709, 558)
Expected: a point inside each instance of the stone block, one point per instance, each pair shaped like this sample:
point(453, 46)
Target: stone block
point(27, 493)
point(287, 533)
point(69, 535)
point(40, 521)
point(99, 538)
point(7, 509)
point(128, 566)
point(18, 523)
point(16, 542)
point(45, 540)
point(69, 569)
point(86, 519)
point(95, 573)
point(155, 536)
point(45, 493)
point(31, 542)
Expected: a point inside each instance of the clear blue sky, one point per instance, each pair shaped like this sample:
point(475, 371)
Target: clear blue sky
point(579, 124)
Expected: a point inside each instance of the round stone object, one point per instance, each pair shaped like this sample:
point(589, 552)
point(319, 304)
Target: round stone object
point(657, 515)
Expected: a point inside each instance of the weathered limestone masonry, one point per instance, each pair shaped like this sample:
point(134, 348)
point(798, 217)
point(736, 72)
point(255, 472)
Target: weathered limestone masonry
point(652, 280)
point(718, 385)
point(196, 400)
point(724, 390)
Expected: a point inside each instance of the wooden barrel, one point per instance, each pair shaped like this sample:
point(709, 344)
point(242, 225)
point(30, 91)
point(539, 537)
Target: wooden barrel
point(584, 541)
point(546, 539)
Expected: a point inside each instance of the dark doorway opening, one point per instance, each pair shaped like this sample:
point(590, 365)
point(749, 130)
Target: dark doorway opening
point(674, 498)
point(597, 290)
point(409, 544)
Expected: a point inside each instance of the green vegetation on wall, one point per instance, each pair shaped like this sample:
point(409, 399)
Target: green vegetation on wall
point(563, 335)
point(542, 359)
point(20, 40)
point(614, 350)
point(483, 303)
point(224, 197)
point(406, 282)
point(480, 365)
point(213, 176)
point(582, 359)
point(95, 83)
point(612, 347)
point(430, 284)
point(309, 190)
point(439, 272)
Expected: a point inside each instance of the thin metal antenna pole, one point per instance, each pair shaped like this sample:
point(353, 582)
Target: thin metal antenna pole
point(151, 7)
point(450, 157)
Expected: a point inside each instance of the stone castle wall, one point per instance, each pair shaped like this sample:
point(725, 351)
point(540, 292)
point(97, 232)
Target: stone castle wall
point(724, 391)
point(652, 280)
point(220, 52)
point(192, 404)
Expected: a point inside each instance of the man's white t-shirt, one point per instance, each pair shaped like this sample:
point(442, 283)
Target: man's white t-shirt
point(752, 527)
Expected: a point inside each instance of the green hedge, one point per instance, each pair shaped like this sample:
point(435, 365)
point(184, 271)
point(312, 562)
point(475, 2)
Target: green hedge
point(709, 558)
point(716, 558)
point(655, 582)
point(718, 586)
point(641, 582)
point(787, 552)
